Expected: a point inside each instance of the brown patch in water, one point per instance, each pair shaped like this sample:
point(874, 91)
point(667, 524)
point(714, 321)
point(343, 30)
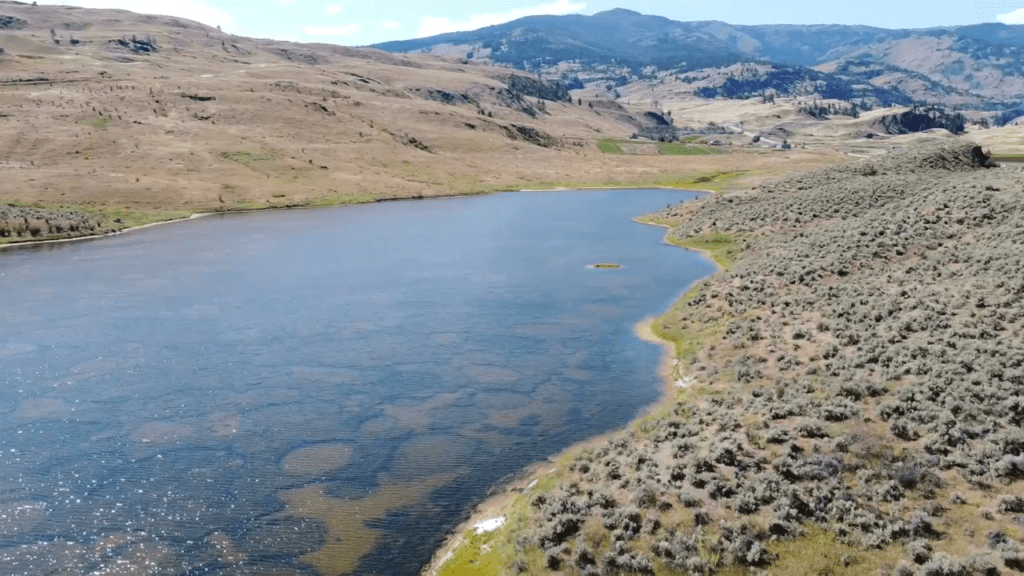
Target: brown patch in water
point(383, 427)
point(43, 408)
point(223, 425)
point(414, 415)
point(223, 549)
point(348, 538)
point(316, 460)
point(425, 455)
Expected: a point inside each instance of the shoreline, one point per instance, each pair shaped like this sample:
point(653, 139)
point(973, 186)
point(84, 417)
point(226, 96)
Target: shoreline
point(30, 242)
point(505, 494)
point(758, 467)
point(26, 243)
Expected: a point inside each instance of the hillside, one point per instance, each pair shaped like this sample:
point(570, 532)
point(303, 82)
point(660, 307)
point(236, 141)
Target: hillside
point(110, 119)
point(977, 67)
point(847, 393)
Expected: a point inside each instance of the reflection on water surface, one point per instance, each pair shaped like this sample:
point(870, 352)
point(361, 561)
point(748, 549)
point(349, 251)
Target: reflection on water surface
point(313, 392)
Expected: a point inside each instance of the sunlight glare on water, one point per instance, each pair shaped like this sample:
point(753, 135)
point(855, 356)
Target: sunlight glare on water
point(314, 392)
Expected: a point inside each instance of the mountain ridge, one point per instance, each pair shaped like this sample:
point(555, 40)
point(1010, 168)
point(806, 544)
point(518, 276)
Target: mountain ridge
point(984, 59)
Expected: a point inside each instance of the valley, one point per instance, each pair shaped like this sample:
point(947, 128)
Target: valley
point(843, 396)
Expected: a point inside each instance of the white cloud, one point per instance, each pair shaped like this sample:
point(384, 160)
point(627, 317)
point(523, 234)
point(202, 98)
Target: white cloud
point(190, 9)
point(285, 2)
point(432, 25)
point(346, 30)
point(332, 10)
point(1015, 17)
point(390, 25)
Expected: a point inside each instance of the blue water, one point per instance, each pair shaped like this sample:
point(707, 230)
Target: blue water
point(316, 391)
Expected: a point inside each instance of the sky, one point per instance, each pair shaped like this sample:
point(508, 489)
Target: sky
point(363, 22)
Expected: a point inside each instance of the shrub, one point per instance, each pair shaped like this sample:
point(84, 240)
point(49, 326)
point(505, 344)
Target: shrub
point(1011, 504)
point(778, 436)
point(811, 429)
point(646, 496)
point(944, 565)
point(553, 558)
point(689, 500)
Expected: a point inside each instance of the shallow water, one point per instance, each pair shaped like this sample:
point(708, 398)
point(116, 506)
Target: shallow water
point(319, 391)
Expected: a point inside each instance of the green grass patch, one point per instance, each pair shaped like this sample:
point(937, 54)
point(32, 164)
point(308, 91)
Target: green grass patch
point(679, 149)
point(494, 552)
point(98, 123)
point(339, 199)
point(686, 147)
point(609, 146)
point(683, 181)
point(471, 185)
point(688, 335)
point(607, 265)
point(1008, 157)
point(130, 217)
point(477, 554)
point(820, 552)
point(243, 157)
point(723, 248)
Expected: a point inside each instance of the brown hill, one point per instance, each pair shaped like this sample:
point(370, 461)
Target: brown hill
point(139, 118)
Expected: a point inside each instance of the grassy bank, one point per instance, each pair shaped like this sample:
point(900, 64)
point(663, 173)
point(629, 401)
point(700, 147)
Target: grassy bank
point(472, 553)
point(822, 425)
point(688, 147)
point(109, 219)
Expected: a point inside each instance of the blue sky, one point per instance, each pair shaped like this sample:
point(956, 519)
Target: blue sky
point(361, 22)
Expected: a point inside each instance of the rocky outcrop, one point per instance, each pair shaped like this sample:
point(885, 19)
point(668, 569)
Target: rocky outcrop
point(919, 119)
point(531, 135)
point(520, 86)
point(445, 97)
point(137, 45)
point(12, 23)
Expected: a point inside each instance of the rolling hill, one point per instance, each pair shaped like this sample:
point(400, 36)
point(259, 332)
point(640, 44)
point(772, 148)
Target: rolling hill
point(129, 118)
point(976, 66)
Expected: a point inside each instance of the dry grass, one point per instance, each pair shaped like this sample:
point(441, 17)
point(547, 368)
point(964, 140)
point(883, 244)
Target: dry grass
point(208, 124)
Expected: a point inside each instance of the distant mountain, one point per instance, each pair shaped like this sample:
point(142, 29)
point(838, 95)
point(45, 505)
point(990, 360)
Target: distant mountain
point(619, 35)
point(979, 65)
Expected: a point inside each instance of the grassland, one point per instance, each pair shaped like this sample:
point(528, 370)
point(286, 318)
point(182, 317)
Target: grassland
point(687, 147)
point(747, 469)
point(1008, 157)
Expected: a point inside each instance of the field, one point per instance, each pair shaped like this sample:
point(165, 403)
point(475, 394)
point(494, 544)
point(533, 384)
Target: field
point(688, 147)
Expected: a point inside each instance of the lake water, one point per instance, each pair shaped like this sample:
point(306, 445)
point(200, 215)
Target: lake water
point(317, 391)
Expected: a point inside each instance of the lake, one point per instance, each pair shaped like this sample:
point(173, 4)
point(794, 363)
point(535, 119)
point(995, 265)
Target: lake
point(314, 391)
